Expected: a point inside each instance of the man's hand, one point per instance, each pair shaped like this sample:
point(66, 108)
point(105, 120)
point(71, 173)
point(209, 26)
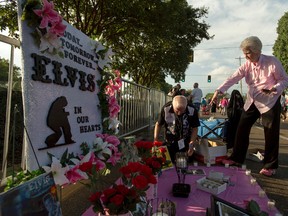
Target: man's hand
point(191, 149)
point(190, 152)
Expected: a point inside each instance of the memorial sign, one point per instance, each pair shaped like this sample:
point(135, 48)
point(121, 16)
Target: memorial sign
point(60, 73)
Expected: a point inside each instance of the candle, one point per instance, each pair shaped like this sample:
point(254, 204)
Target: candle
point(243, 166)
point(227, 165)
point(160, 214)
point(253, 181)
point(261, 193)
point(195, 164)
point(248, 172)
point(181, 163)
point(271, 204)
point(208, 164)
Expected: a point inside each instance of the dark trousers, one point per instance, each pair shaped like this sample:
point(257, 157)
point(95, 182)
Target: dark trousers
point(271, 124)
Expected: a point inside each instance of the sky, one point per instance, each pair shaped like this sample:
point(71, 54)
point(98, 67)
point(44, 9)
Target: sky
point(230, 22)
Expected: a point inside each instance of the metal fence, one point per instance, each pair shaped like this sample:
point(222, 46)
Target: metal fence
point(5, 147)
point(140, 107)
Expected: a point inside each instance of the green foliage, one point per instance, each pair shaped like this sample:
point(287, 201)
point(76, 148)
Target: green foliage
point(28, 14)
point(65, 158)
point(21, 177)
point(280, 48)
point(4, 70)
point(151, 39)
point(8, 12)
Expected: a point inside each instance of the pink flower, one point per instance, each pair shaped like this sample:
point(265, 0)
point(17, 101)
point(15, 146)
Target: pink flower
point(73, 175)
point(48, 14)
point(114, 108)
point(117, 73)
point(58, 28)
point(113, 140)
point(118, 82)
point(102, 136)
point(114, 158)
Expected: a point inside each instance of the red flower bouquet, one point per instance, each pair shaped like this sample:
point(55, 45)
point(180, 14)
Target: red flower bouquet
point(144, 148)
point(138, 175)
point(155, 163)
point(116, 200)
point(123, 198)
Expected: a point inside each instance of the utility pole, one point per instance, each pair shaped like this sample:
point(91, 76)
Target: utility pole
point(239, 58)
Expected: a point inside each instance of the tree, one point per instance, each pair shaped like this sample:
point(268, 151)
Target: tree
point(151, 38)
point(4, 70)
point(280, 48)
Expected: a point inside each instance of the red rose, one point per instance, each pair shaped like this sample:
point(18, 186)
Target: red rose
point(156, 165)
point(146, 171)
point(140, 182)
point(162, 150)
point(157, 143)
point(94, 197)
point(117, 199)
point(122, 189)
point(86, 166)
point(109, 192)
point(152, 179)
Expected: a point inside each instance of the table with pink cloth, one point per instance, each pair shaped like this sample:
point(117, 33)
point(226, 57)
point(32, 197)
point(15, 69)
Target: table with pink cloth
point(198, 200)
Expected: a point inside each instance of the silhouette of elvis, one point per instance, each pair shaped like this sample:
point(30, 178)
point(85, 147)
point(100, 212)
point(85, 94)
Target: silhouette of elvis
point(57, 120)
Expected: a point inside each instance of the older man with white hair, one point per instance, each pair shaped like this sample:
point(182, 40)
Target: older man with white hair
point(181, 122)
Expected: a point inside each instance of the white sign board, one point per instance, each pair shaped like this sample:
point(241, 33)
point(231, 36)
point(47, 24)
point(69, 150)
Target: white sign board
point(60, 95)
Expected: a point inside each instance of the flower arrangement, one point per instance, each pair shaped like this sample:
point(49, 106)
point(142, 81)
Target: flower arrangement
point(139, 175)
point(144, 148)
point(95, 159)
point(155, 163)
point(113, 86)
point(152, 154)
point(116, 200)
point(48, 25)
point(123, 198)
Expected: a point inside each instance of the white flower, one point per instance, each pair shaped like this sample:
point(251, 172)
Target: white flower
point(113, 124)
point(58, 171)
point(107, 60)
point(97, 46)
point(102, 148)
point(49, 42)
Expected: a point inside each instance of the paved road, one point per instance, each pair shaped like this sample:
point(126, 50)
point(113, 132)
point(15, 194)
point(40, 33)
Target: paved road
point(276, 186)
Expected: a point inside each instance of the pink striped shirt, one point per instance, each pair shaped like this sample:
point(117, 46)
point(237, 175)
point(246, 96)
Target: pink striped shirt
point(267, 73)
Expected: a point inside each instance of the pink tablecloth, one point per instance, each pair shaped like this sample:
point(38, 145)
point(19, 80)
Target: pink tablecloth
point(199, 200)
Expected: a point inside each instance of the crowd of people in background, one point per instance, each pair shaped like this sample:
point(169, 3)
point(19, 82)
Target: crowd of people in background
point(219, 104)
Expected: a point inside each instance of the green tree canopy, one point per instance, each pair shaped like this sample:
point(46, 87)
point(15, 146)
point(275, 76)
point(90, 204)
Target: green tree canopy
point(4, 70)
point(280, 48)
point(151, 39)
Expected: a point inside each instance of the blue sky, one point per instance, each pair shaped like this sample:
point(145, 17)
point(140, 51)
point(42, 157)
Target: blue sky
point(231, 21)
